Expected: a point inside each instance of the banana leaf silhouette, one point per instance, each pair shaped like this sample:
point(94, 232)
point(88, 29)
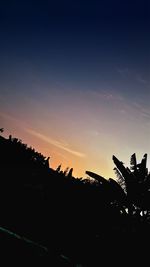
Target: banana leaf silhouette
point(137, 181)
point(133, 162)
point(97, 177)
point(113, 191)
point(118, 191)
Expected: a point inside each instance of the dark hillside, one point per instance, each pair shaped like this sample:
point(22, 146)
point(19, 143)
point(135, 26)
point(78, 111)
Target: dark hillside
point(71, 220)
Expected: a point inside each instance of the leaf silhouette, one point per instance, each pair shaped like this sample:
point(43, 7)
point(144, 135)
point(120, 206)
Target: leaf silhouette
point(97, 177)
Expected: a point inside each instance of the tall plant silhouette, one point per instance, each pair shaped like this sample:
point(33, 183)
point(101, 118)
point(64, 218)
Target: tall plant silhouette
point(112, 192)
point(131, 190)
point(136, 183)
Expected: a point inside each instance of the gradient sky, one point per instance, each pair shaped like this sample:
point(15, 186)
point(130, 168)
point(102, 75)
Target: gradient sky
point(75, 80)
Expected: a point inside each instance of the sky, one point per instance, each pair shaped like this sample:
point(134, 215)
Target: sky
point(75, 80)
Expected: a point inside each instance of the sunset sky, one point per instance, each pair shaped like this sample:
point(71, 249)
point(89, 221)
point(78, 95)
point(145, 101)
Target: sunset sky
point(75, 80)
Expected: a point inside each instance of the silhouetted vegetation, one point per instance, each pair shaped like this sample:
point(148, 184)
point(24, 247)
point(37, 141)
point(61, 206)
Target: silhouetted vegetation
point(69, 220)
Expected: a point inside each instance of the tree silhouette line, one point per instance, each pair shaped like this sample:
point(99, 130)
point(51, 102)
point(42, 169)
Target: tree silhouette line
point(81, 220)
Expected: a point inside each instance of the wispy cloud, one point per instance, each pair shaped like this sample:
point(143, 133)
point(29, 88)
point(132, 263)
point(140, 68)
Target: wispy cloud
point(107, 95)
point(123, 71)
point(146, 113)
point(133, 74)
point(55, 143)
point(141, 79)
point(7, 116)
point(11, 118)
point(141, 110)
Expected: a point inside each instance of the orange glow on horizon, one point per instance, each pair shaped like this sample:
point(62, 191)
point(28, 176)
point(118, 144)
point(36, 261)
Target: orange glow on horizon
point(86, 137)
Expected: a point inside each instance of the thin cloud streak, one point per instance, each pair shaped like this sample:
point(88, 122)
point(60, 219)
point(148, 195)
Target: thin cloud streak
point(141, 79)
point(107, 95)
point(55, 143)
point(123, 71)
point(8, 117)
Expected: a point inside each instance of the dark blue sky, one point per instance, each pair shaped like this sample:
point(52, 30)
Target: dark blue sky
point(93, 54)
point(77, 36)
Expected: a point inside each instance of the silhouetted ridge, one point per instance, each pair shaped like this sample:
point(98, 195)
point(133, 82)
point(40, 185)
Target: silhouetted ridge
point(77, 220)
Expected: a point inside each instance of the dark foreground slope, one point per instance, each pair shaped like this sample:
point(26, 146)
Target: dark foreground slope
point(60, 220)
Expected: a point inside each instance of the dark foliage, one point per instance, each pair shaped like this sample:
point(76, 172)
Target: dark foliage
point(76, 220)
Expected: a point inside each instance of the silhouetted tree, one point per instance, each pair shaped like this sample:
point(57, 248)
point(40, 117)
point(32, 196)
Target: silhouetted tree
point(58, 168)
point(70, 173)
point(66, 171)
point(137, 184)
point(47, 162)
point(59, 211)
point(112, 191)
